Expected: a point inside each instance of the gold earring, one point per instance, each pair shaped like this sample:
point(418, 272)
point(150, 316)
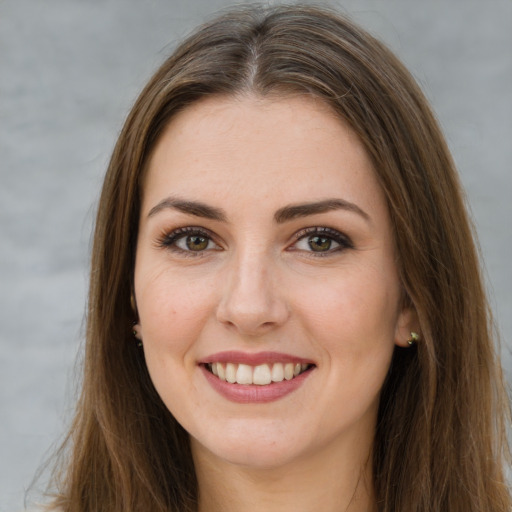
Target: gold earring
point(415, 337)
point(136, 335)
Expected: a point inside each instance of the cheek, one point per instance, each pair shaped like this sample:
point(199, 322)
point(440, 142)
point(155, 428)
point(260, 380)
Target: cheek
point(172, 308)
point(352, 318)
point(172, 313)
point(356, 299)
point(349, 318)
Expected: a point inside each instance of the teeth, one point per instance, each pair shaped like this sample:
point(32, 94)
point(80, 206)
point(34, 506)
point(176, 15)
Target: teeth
point(244, 374)
point(260, 375)
point(231, 373)
point(277, 372)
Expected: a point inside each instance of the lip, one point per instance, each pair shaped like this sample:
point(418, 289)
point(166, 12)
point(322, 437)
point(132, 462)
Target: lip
point(254, 394)
point(234, 356)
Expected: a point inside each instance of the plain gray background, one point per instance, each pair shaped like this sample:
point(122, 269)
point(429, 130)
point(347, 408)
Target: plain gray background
point(69, 72)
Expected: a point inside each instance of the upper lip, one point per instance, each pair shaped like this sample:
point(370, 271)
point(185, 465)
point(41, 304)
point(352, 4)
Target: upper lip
point(253, 359)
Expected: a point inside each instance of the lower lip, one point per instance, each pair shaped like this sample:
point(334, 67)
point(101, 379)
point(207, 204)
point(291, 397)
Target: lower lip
point(253, 394)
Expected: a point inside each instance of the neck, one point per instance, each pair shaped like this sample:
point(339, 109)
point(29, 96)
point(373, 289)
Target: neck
point(317, 482)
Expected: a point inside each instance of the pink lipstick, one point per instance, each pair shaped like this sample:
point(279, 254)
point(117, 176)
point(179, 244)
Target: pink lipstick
point(255, 378)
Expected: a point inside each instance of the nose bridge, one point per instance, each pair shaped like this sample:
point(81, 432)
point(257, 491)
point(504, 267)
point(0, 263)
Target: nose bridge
point(250, 299)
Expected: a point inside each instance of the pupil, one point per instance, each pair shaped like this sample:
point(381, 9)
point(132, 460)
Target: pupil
point(197, 243)
point(319, 243)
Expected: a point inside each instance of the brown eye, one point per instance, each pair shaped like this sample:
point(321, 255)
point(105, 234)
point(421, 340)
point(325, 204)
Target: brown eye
point(197, 242)
point(319, 243)
point(189, 240)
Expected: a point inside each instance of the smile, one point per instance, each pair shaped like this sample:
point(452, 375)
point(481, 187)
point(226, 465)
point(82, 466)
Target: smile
point(260, 375)
point(255, 378)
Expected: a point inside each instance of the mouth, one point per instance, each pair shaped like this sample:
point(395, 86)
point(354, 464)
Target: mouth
point(255, 378)
point(259, 375)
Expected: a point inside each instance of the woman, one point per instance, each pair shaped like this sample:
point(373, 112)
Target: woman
point(286, 309)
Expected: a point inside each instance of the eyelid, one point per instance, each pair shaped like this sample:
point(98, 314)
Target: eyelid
point(340, 238)
point(167, 239)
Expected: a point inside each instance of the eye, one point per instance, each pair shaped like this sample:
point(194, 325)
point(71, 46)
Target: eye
point(189, 240)
point(193, 243)
point(321, 240)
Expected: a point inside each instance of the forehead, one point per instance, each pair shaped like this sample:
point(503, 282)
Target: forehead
point(262, 150)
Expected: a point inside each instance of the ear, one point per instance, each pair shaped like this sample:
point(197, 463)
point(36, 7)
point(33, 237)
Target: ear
point(407, 323)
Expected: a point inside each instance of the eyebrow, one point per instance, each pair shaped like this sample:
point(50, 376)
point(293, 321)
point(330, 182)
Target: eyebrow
point(303, 210)
point(195, 208)
point(285, 214)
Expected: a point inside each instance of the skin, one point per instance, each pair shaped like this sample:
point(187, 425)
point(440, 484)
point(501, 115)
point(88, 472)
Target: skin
point(259, 286)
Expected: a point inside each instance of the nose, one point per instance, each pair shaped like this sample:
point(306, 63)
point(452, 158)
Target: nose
point(252, 300)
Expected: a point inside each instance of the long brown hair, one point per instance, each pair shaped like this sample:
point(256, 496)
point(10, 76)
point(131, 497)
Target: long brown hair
point(441, 442)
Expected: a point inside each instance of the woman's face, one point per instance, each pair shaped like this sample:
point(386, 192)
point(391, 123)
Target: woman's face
point(265, 281)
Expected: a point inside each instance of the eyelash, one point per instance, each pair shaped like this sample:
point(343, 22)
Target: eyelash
point(170, 240)
point(343, 241)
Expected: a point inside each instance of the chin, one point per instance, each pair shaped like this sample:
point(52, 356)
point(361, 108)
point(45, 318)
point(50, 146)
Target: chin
point(258, 457)
point(260, 449)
